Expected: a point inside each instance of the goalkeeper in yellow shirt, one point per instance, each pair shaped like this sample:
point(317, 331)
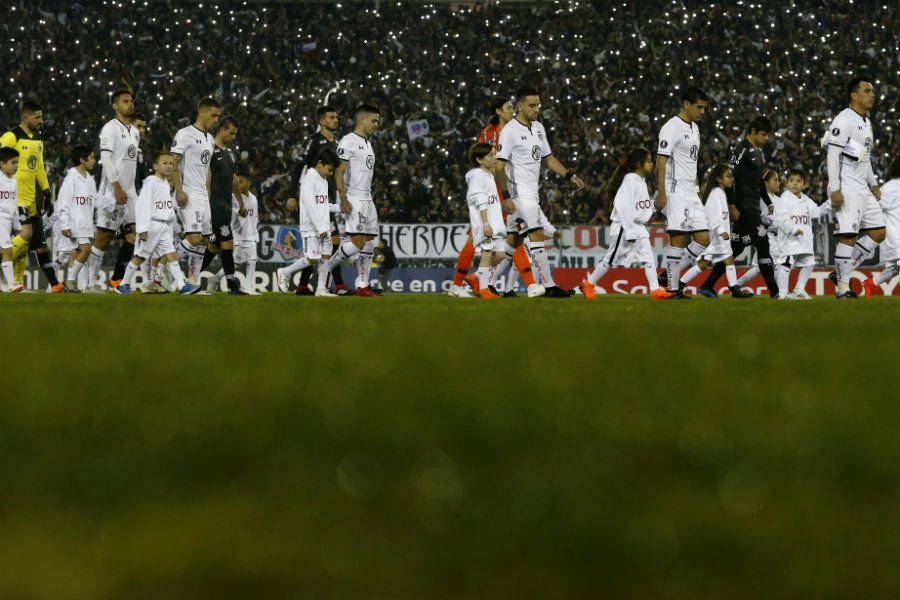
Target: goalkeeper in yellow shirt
point(26, 138)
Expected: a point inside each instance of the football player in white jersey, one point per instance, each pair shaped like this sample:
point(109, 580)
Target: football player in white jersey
point(114, 209)
point(678, 190)
point(522, 151)
point(354, 184)
point(852, 185)
point(192, 149)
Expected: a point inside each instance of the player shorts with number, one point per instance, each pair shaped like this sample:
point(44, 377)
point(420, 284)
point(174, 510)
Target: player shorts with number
point(244, 252)
point(847, 218)
point(221, 221)
point(159, 241)
point(111, 216)
point(530, 212)
point(195, 216)
point(872, 216)
point(363, 219)
point(684, 212)
point(314, 247)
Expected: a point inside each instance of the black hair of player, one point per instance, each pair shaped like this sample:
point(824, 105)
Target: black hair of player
point(525, 91)
point(328, 156)
point(229, 121)
point(242, 170)
point(29, 108)
point(79, 153)
point(853, 86)
point(497, 105)
point(8, 153)
point(324, 110)
point(138, 117)
point(636, 158)
point(712, 180)
point(692, 94)
point(478, 151)
point(118, 93)
point(760, 124)
point(796, 173)
point(208, 104)
point(159, 155)
point(893, 170)
point(366, 109)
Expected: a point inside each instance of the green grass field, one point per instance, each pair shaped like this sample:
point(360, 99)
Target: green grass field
point(428, 447)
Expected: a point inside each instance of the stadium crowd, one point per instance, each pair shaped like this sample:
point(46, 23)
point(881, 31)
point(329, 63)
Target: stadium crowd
point(609, 79)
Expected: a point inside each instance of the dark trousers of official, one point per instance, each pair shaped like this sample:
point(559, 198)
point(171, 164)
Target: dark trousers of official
point(748, 234)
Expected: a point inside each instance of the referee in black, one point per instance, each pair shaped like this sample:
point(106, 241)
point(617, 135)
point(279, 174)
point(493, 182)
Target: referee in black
point(748, 164)
point(222, 186)
point(325, 137)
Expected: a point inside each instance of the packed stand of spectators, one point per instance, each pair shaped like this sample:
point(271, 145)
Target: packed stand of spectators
point(608, 75)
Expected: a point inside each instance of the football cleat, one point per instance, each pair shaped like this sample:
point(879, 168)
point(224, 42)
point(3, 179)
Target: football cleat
point(95, 289)
point(189, 289)
point(283, 280)
point(848, 295)
point(739, 292)
point(366, 292)
point(123, 289)
point(72, 287)
point(536, 290)
point(869, 287)
point(708, 293)
point(661, 294)
point(489, 292)
point(510, 294)
point(679, 295)
point(303, 290)
point(15, 289)
point(59, 288)
point(473, 282)
point(154, 287)
point(343, 290)
point(554, 291)
point(114, 283)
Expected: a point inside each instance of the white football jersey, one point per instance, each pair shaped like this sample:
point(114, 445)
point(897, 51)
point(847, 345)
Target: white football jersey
point(523, 148)
point(9, 195)
point(156, 203)
point(123, 142)
point(632, 207)
point(680, 142)
point(245, 229)
point(852, 133)
point(890, 206)
point(75, 203)
point(195, 148)
point(315, 216)
point(481, 194)
point(716, 209)
point(793, 213)
point(359, 156)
